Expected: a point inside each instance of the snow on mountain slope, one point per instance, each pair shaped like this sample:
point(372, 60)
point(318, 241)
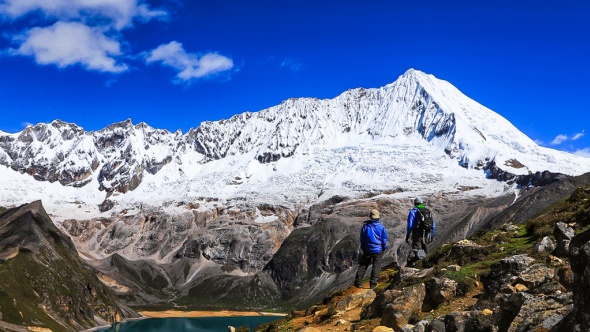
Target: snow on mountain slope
point(416, 135)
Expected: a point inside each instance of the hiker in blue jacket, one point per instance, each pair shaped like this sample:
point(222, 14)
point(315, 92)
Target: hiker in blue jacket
point(373, 244)
point(418, 234)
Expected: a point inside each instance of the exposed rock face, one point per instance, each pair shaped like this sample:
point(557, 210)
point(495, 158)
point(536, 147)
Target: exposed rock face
point(536, 292)
point(579, 319)
point(76, 154)
point(232, 239)
point(43, 283)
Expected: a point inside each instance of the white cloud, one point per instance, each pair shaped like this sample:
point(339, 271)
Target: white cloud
point(78, 35)
point(583, 152)
point(189, 65)
point(26, 124)
point(70, 43)
point(119, 12)
point(562, 138)
point(559, 139)
point(578, 136)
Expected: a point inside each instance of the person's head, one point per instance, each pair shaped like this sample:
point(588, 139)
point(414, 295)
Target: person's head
point(374, 214)
point(418, 201)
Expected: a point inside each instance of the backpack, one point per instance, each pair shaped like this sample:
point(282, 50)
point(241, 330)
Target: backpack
point(425, 221)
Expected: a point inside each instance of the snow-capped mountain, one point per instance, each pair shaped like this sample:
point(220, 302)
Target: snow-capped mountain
point(268, 205)
point(418, 134)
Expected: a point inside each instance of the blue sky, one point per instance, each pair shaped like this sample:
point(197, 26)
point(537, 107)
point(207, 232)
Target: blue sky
point(174, 64)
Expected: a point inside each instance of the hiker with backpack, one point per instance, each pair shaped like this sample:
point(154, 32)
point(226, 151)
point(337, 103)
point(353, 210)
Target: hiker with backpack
point(373, 244)
point(420, 232)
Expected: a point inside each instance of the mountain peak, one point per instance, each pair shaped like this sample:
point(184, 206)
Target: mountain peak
point(418, 127)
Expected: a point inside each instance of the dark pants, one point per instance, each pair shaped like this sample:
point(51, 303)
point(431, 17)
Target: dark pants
point(364, 262)
point(419, 242)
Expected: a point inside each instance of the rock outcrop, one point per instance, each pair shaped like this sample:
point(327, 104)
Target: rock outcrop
point(579, 319)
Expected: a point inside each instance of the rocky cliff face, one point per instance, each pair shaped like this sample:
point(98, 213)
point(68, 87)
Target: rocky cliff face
point(117, 156)
point(43, 282)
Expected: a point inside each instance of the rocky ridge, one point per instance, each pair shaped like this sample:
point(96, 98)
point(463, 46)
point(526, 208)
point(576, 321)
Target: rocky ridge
point(514, 278)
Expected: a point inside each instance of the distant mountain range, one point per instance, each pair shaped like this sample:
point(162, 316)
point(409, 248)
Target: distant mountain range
point(416, 134)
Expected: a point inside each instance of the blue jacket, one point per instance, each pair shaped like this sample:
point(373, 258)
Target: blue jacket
point(373, 237)
point(413, 222)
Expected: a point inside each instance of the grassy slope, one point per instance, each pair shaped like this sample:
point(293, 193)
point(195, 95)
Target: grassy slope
point(47, 285)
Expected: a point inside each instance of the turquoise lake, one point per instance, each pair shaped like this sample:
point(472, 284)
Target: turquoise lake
point(204, 324)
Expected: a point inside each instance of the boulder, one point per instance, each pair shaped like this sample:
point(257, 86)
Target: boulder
point(352, 301)
point(438, 291)
point(546, 245)
point(436, 325)
point(527, 312)
point(563, 232)
point(382, 329)
point(565, 275)
point(465, 321)
point(412, 273)
point(563, 235)
point(534, 276)
point(500, 278)
point(397, 313)
point(420, 326)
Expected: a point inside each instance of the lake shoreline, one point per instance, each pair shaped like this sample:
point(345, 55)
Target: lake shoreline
point(146, 314)
point(202, 313)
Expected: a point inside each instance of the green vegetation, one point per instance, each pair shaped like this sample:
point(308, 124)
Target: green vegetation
point(23, 284)
point(45, 284)
point(283, 326)
point(573, 210)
